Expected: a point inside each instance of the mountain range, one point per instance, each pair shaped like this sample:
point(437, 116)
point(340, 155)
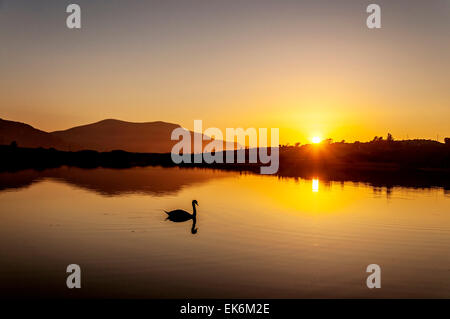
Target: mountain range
point(102, 136)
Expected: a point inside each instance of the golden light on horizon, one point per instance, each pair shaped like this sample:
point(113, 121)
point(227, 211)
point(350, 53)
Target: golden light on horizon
point(316, 139)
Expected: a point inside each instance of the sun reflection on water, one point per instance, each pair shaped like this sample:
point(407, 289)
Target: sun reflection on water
point(315, 185)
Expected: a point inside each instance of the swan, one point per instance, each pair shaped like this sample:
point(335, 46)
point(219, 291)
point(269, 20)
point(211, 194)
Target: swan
point(179, 215)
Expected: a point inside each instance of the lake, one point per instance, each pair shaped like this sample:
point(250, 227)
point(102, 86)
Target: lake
point(256, 236)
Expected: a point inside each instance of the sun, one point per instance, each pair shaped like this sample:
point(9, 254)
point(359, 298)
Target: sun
point(316, 139)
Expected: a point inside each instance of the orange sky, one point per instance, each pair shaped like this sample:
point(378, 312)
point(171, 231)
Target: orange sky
point(307, 67)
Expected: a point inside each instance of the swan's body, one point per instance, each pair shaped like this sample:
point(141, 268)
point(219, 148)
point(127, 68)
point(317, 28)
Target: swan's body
point(179, 215)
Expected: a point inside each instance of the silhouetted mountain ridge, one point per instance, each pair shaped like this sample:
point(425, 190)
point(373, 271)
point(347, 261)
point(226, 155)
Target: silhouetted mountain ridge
point(27, 136)
point(111, 134)
point(103, 136)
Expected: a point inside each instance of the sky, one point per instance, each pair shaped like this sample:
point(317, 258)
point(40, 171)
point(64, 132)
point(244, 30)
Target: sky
point(309, 68)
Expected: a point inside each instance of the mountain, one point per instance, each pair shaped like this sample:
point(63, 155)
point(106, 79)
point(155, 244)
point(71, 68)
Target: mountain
point(104, 136)
point(109, 135)
point(27, 136)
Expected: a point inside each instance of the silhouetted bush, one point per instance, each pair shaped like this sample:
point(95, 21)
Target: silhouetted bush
point(389, 137)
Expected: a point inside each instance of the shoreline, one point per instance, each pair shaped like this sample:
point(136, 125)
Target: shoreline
point(383, 174)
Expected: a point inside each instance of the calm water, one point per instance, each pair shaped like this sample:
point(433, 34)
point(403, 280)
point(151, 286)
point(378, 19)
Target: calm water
point(257, 236)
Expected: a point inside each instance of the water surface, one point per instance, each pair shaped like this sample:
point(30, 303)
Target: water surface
point(257, 236)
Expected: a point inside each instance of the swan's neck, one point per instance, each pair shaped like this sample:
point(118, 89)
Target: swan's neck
point(193, 208)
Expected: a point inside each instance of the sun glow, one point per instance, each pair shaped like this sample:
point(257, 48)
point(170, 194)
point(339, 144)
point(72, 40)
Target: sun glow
point(316, 139)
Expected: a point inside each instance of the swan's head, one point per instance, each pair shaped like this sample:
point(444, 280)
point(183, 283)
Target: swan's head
point(194, 202)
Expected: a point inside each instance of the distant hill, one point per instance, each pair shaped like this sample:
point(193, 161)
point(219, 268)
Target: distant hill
point(109, 135)
point(104, 136)
point(27, 136)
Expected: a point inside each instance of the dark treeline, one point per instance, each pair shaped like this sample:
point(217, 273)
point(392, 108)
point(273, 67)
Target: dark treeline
point(413, 163)
point(417, 163)
point(378, 154)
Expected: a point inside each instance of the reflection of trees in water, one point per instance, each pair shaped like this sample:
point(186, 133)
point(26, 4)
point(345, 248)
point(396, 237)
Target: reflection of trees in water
point(159, 181)
point(374, 178)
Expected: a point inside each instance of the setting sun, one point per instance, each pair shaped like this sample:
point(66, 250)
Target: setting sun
point(316, 140)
